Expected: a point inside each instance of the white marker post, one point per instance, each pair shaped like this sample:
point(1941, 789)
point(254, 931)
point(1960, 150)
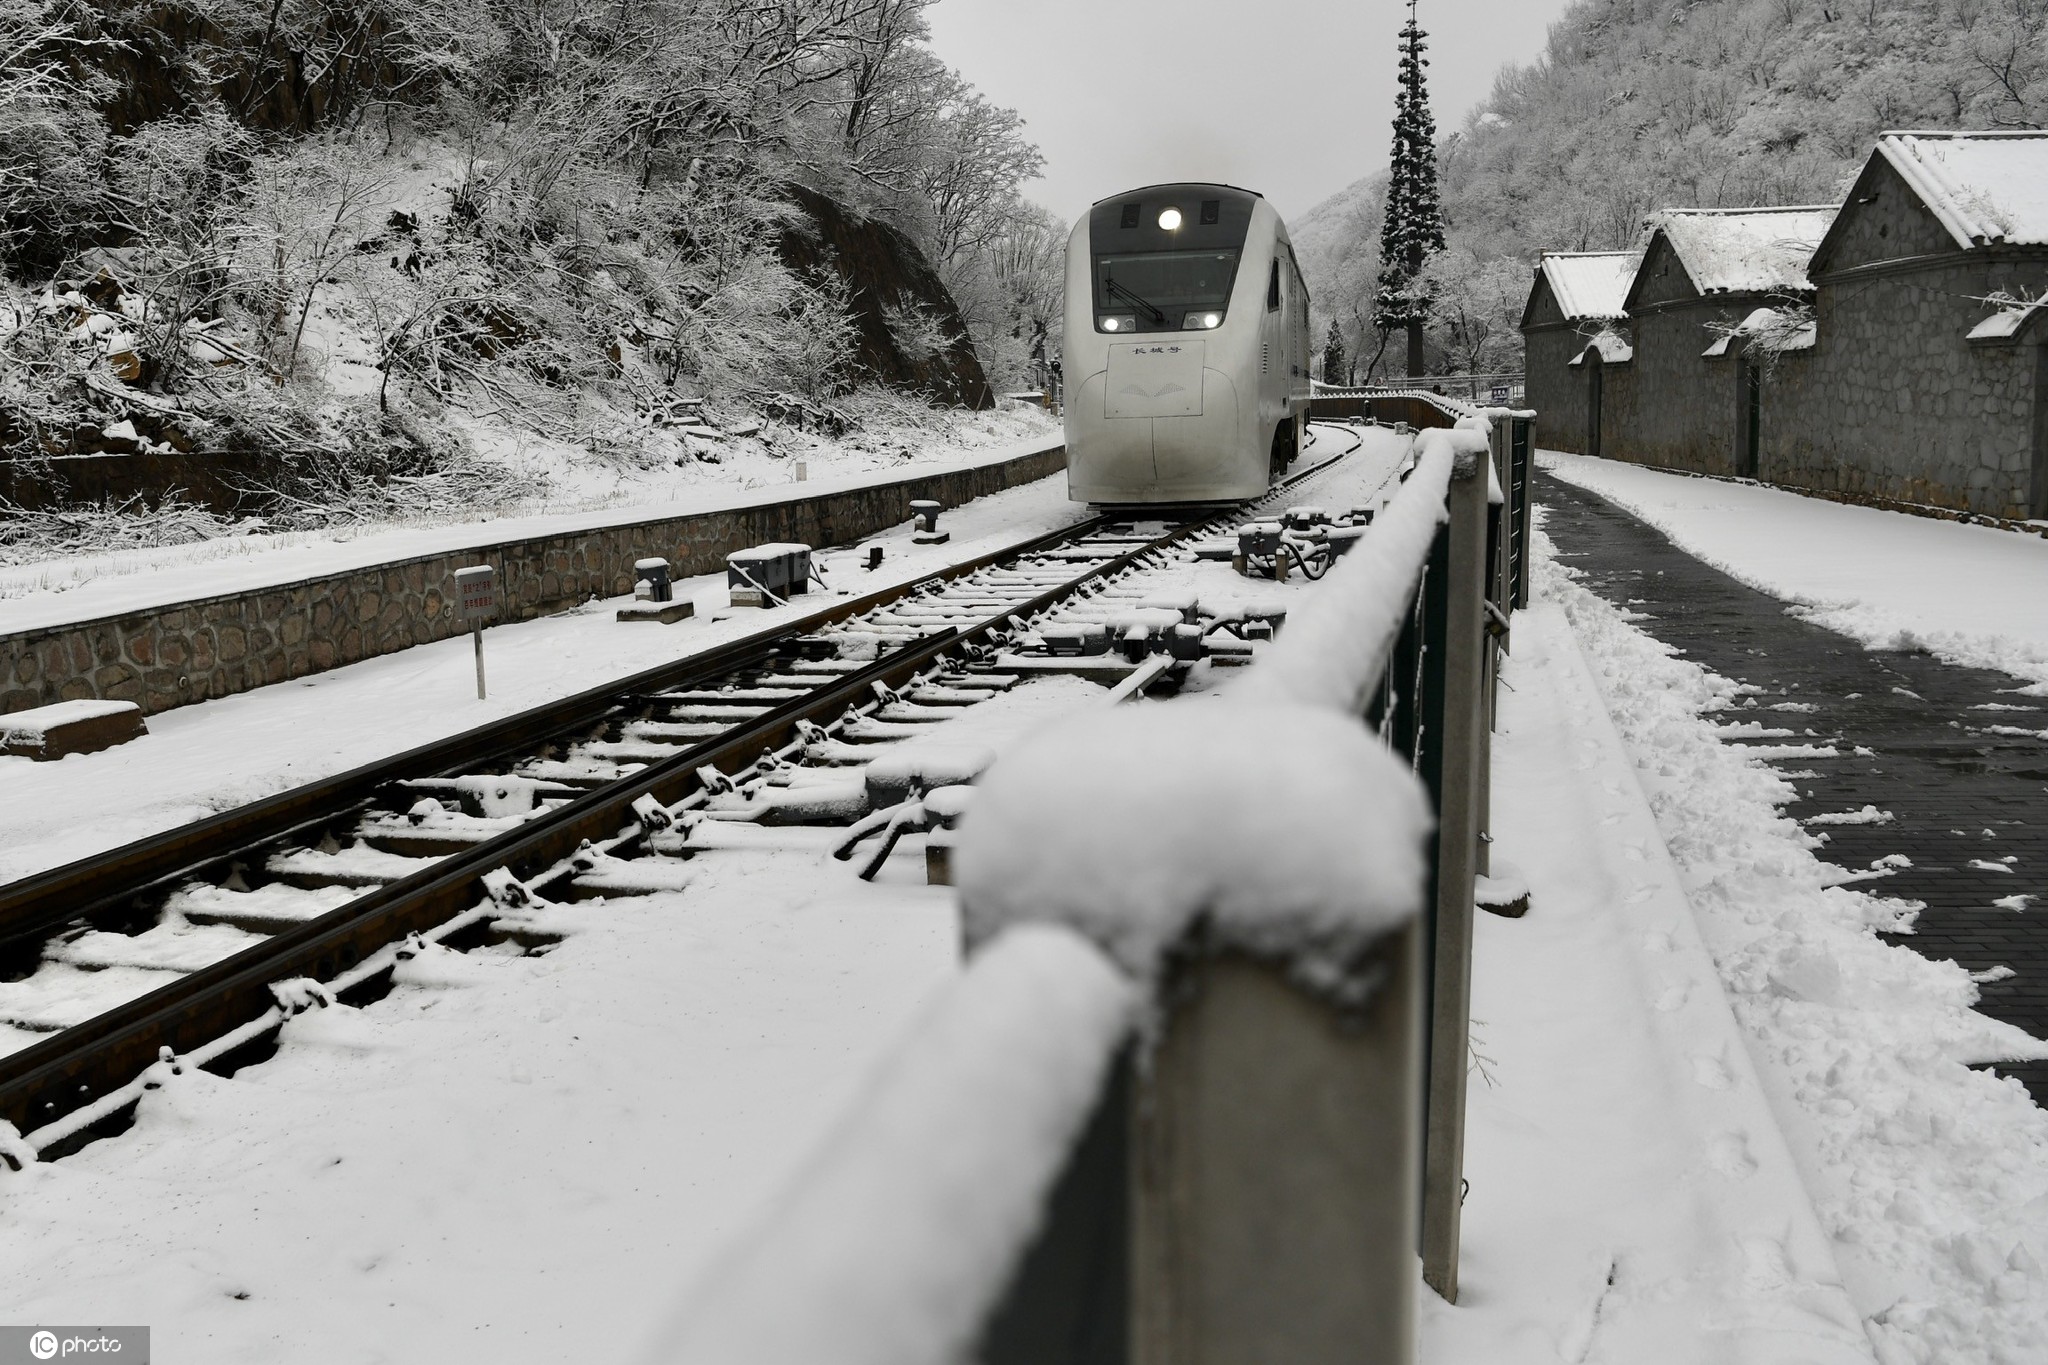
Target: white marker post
point(479, 589)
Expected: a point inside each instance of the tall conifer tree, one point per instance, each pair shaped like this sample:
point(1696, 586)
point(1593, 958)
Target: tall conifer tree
point(1413, 229)
point(1333, 355)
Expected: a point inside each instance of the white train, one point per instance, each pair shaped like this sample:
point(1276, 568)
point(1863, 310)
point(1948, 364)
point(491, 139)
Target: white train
point(1186, 354)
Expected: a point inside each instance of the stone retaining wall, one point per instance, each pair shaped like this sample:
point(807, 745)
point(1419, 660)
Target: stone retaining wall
point(185, 652)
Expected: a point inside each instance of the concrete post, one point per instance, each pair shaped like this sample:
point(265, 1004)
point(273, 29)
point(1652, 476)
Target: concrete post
point(1273, 1171)
point(1464, 738)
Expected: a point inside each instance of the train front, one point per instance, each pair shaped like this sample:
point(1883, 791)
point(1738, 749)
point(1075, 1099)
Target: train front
point(1162, 350)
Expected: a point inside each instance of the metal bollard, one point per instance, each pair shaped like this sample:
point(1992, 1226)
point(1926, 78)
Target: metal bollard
point(926, 512)
point(654, 574)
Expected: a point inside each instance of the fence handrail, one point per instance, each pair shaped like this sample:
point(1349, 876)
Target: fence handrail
point(1337, 647)
point(1014, 1187)
point(1324, 386)
point(894, 1243)
point(1442, 402)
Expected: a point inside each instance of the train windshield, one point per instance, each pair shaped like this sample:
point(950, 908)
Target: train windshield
point(1160, 290)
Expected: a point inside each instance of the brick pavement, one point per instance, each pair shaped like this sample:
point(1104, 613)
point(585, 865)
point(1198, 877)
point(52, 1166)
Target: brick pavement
point(1962, 795)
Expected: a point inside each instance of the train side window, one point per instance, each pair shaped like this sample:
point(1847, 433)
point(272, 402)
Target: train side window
point(1273, 287)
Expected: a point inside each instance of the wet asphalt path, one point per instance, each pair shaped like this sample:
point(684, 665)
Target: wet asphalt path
point(1967, 800)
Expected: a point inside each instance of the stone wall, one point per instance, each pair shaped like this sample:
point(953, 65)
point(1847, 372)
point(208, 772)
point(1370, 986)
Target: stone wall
point(185, 652)
point(1893, 402)
point(1554, 387)
point(1677, 410)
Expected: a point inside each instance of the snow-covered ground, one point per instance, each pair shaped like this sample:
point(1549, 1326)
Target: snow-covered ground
point(1715, 1118)
point(1968, 594)
point(89, 586)
point(513, 1158)
point(1630, 1199)
point(200, 759)
point(1631, 1196)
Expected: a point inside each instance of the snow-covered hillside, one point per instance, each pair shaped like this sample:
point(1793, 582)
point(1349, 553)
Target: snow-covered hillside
point(1637, 105)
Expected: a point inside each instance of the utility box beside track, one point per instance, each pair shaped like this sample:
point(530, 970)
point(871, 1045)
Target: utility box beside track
point(768, 575)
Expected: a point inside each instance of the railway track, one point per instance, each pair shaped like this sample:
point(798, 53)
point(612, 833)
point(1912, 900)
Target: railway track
point(219, 931)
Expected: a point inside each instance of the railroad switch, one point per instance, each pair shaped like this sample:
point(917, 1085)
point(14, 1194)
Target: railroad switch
point(1078, 639)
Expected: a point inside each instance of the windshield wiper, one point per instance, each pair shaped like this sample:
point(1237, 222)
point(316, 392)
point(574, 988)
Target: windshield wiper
point(1110, 285)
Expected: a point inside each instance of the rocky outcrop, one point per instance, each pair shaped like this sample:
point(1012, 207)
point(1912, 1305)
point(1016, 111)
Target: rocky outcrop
point(896, 295)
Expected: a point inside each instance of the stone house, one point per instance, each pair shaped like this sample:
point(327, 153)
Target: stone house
point(1575, 306)
point(1711, 284)
point(1926, 380)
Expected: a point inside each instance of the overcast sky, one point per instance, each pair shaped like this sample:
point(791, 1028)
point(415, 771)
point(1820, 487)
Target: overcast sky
point(1292, 98)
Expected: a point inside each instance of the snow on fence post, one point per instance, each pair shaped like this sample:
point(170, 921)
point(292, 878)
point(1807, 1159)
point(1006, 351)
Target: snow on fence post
point(1247, 1188)
point(1460, 823)
point(1399, 631)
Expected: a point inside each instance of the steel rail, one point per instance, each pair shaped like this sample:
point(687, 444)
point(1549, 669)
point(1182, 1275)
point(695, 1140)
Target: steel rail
point(99, 887)
point(45, 1081)
point(50, 1079)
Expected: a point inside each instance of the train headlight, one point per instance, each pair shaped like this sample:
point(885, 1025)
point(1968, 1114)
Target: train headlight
point(1195, 322)
point(1170, 219)
point(1118, 322)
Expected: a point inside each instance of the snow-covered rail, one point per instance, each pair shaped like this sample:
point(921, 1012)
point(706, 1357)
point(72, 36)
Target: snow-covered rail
point(223, 929)
point(1173, 1109)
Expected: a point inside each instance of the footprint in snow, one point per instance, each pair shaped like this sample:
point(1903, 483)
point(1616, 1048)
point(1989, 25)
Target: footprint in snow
point(1711, 1072)
point(1728, 1153)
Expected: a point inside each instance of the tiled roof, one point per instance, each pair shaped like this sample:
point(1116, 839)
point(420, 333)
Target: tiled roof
point(1745, 251)
point(1987, 187)
point(1590, 284)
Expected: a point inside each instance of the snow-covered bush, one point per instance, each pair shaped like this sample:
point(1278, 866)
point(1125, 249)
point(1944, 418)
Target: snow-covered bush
point(52, 136)
point(387, 248)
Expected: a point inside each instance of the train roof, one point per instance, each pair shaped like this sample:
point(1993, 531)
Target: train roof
point(1177, 185)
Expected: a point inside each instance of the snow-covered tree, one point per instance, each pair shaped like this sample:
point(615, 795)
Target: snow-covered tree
point(1478, 309)
point(52, 137)
point(1412, 229)
point(1333, 354)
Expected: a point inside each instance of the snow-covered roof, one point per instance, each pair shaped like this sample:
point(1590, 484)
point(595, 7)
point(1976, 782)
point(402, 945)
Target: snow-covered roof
point(1984, 187)
point(1590, 284)
point(1745, 251)
point(2008, 320)
point(1612, 346)
point(1771, 329)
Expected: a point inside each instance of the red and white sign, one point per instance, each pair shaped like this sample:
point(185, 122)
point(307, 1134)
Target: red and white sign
point(479, 589)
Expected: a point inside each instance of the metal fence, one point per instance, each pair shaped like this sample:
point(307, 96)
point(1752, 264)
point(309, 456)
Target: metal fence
point(1476, 386)
point(1238, 1156)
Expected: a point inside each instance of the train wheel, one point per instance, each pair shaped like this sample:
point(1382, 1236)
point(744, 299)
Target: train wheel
point(1283, 450)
